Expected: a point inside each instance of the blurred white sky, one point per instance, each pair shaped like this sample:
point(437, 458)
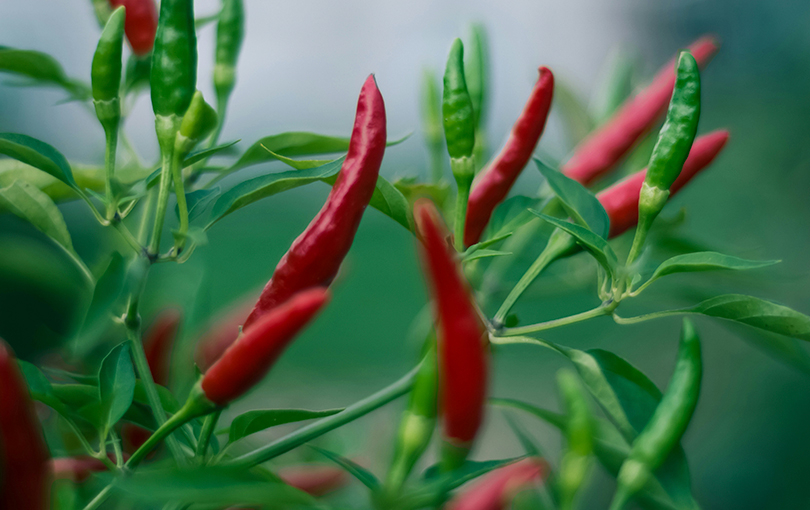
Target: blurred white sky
point(303, 62)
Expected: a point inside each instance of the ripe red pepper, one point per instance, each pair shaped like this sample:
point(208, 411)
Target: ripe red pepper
point(497, 488)
point(78, 469)
point(140, 24)
point(314, 479)
point(495, 181)
point(223, 331)
point(24, 456)
point(607, 145)
point(621, 199)
point(247, 361)
point(314, 258)
point(462, 336)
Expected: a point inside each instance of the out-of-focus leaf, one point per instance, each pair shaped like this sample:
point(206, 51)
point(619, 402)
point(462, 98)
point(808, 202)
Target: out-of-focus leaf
point(200, 155)
point(116, 385)
point(412, 189)
point(261, 419)
point(41, 68)
point(198, 201)
point(34, 206)
point(37, 154)
point(512, 214)
point(578, 121)
point(362, 474)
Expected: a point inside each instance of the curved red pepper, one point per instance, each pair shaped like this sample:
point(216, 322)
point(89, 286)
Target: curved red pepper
point(461, 332)
point(222, 332)
point(24, 456)
point(315, 256)
point(495, 181)
point(314, 479)
point(158, 342)
point(140, 24)
point(247, 361)
point(621, 199)
point(606, 146)
point(497, 488)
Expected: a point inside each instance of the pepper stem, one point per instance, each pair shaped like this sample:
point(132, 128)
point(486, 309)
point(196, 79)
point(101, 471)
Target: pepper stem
point(182, 206)
point(111, 136)
point(207, 431)
point(464, 171)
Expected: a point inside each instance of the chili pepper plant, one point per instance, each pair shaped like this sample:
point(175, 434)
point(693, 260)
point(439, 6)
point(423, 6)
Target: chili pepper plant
point(102, 425)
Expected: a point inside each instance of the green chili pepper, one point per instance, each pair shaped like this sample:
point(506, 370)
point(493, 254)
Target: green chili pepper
point(102, 10)
point(106, 71)
point(174, 67)
point(199, 121)
point(477, 75)
point(230, 34)
point(671, 149)
point(576, 461)
point(457, 106)
point(666, 426)
point(432, 124)
point(418, 420)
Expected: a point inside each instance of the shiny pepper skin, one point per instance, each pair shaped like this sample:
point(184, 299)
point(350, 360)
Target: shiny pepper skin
point(174, 59)
point(621, 199)
point(24, 457)
point(230, 34)
point(605, 147)
point(315, 256)
point(497, 178)
point(462, 338)
point(107, 60)
point(496, 489)
point(457, 107)
point(140, 25)
point(249, 358)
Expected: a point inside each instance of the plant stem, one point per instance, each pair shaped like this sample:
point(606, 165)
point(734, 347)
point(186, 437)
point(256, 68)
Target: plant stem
point(320, 427)
point(182, 206)
point(163, 202)
point(558, 244)
point(207, 431)
point(461, 215)
point(603, 309)
point(109, 166)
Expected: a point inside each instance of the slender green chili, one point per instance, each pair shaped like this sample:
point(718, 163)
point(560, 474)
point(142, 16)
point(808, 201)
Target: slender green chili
point(230, 34)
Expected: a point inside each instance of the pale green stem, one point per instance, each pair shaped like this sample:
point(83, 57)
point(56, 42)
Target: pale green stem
point(207, 431)
point(163, 203)
point(461, 215)
point(109, 165)
point(599, 311)
point(182, 206)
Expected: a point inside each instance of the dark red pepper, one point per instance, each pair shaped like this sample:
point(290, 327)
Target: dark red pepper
point(621, 199)
point(314, 479)
point(602, 150)
point(497, 179)
point(497, 488)
point(24, 456)
point(249, 358)
point(315, 256)
point(140, 24)
point(462, 337)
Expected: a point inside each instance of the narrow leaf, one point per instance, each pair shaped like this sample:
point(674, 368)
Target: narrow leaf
point(757, 313)
point(261, 419)
point(595, 245)
point(581, 204)
point(116, 387)
point(207, 153)
point(704, 261)
point(362, 474)
point(37, 154)
point(34, 206)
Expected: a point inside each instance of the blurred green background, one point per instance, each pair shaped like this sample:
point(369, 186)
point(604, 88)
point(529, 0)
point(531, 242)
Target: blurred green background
point(302, 66)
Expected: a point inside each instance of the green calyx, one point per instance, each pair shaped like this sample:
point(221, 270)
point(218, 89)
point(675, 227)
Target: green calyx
point(199, 121)
point(173, 75)
point(106, 71)
point(457, 106)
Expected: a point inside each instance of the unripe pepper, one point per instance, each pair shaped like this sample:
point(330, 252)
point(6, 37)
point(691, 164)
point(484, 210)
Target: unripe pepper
point(671, 149)
point(462, 338)
point(315, 256)
point(621, 199)
point(140, 25)
point(24, 456)
point(314, 479)
point(247, 361)
point(457, 108)
point(106, 71)
point(496, 489)
point(230, 34)
point(606, 146)
point(198, 122)
point(497, 179)
point(669, 421)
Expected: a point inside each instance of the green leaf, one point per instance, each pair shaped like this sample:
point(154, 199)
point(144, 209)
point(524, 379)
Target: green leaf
point(109, 287)
point(582, 205)
point(575, 115)
point(391, 202)
point(512, 214)
point(41, 68)
point(37, 154)
point(703, 261)
point(194, 157)
point(485, 244)
point(299, 164)
point(526, 441)
point(116, 385)
point(412, 190)
point(480, 254)
point(595, 245)
point(757, 313)
point(34, 206)
point(558, 420)
point(198, 201)
point(362, 474)
point(261, 419)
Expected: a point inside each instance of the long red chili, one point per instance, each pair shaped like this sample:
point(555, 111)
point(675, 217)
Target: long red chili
point(606, 146)
point(621, 199)
point(24, 456)
point(494, 183)
point(463, 356)
point(249, 358)
point(315, 256)
point(140, 24)
point(496, 489)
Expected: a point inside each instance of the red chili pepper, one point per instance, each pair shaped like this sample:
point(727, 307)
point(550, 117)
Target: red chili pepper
point(158, 342)
point(251, 356)
point(314, 479)
point(78, 469)
point(24, 466)
point(497, 488)
point(606, 146)
point(223, 331)
point(140, 24)
point(495, 181)
point(314, 258)
point(461, 333)
point(621, 199)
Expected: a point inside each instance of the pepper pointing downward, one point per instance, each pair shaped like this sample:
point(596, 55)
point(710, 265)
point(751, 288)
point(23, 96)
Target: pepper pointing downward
point(462, 339)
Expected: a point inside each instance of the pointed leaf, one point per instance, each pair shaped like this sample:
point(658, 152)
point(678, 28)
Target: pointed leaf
point(757, 313)
point(581, 204)
point(595, 245)
point(39, 67)
point(207, 153)
point(37, 154)
point(198, 201)
point(261, 419)
point(116, 385)
point(34, 206)
point(362, 474)
point(704, 261)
